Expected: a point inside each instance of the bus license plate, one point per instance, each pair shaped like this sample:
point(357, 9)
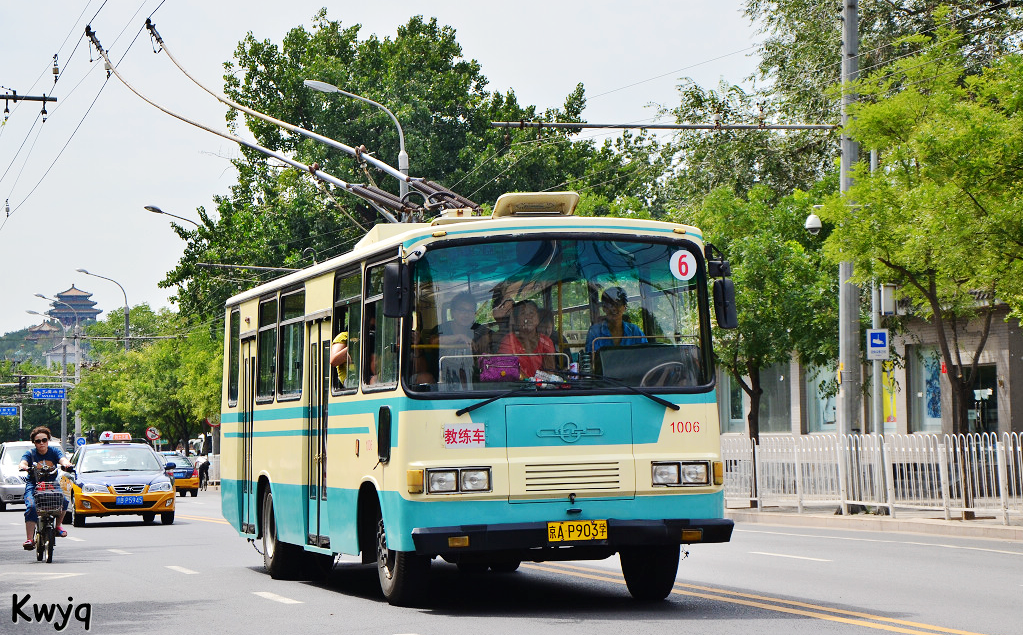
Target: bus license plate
point(128, 500)
point(573, 530)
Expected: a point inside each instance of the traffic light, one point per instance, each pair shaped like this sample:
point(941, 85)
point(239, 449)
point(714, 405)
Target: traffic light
point(90, 436)
point(22, 383)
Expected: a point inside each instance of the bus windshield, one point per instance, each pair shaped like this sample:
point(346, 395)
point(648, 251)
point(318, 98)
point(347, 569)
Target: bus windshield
point(572, 313)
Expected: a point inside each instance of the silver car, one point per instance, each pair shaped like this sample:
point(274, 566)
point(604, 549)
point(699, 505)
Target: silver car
point(12, 482)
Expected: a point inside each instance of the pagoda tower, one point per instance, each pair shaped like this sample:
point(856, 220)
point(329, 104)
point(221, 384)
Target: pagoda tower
point(83, 307)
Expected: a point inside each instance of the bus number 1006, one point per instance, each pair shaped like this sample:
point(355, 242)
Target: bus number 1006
point(681, 427)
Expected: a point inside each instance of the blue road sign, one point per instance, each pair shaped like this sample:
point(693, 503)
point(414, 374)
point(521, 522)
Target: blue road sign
point(10, 411)
point(80, 441)
point(877, 344)
point(49, 393)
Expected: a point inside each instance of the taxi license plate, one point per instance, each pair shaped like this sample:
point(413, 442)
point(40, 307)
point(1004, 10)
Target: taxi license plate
point(128, 500)
point(574, 530)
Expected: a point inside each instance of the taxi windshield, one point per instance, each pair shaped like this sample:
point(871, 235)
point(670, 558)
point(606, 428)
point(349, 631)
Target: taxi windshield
point(574, 313)
point(113, 458)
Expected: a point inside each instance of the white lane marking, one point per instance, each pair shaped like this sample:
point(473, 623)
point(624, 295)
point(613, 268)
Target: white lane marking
point(73, 538)
point(47, 575)
point(181, 569)
point(894, 542)
point(784, 555)
point(275, 597)
point(120, 551)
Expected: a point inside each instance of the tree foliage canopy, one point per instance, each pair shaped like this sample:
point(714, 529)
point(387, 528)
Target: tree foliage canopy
point(941, 216)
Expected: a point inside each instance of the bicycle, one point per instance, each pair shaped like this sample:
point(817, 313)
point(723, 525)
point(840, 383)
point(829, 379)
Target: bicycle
point(49, 504)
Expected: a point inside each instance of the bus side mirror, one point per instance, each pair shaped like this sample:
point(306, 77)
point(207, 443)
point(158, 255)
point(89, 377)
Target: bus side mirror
point(384, 434)
point(724, 303)
point(397, 289)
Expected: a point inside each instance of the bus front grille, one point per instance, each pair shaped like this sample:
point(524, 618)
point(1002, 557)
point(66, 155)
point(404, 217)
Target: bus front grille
point(543, 478)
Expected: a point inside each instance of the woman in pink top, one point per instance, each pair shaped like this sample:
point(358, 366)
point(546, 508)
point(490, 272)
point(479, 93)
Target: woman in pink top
point(524, 339)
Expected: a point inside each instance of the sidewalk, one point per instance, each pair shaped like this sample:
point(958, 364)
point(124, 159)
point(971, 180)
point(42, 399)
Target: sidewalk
point(907, 521)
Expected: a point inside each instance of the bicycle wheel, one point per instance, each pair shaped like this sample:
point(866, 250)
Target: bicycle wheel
point(39, 544)
point(51, 536)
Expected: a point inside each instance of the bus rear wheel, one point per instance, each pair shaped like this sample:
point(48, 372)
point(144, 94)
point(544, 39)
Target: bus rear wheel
point(650, 571)
point(402, 573)
point(280, 559)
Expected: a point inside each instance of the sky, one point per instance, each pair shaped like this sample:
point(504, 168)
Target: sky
point(77, 185)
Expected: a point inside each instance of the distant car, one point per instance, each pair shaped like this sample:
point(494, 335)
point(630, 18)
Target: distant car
point(116, 477)
point(185, 473)
point(12, 482)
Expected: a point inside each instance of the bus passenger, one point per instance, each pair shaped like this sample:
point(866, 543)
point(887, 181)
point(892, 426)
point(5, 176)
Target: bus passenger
point(525, 339)
point(613, 330)
point(460, 338)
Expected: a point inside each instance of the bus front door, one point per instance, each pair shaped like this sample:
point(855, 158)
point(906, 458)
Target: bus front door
point(247, 399)
point(319, 386)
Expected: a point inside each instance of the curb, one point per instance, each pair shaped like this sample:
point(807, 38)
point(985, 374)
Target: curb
point(929, 526)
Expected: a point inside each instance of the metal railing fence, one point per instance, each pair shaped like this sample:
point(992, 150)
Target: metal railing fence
point(955, 474)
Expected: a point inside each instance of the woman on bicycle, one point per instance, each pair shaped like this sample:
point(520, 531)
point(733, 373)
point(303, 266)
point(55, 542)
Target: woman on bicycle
point(47, 456)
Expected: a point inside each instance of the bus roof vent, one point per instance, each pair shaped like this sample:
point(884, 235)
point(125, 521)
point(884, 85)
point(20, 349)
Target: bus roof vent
point(458, 215)
point(536, 204)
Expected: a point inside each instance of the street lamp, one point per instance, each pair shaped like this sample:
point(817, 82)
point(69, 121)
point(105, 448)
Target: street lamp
point(78, 359)
point(63, 378)
point(402, 155)
point(126, 327)
point(156, 210)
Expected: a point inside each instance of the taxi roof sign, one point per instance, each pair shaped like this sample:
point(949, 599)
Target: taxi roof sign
point(108, 436)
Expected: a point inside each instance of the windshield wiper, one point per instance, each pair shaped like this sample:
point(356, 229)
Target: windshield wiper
point(619, 382)
point(533, 385)
point(514, 391)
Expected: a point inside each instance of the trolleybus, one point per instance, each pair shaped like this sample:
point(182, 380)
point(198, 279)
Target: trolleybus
point(455, 428)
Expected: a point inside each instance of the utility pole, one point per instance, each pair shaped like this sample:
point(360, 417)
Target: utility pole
point(15, 97)
point(849, 294)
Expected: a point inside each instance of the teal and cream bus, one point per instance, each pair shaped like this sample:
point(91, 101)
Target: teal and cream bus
point(455, 428)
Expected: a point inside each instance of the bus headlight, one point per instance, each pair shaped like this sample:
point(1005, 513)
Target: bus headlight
point(674, 473)
point(695, 474)
point(475, 480)
point(665, 473)
point(454, 480)
point(443, 481)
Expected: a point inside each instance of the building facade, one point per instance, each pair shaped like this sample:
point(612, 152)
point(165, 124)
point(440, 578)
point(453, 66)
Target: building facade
point(915, 390)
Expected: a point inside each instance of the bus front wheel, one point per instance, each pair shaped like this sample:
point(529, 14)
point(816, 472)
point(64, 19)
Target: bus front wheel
point(650, 571)
point(402, 574)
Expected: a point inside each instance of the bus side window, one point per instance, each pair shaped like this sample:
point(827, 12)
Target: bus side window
point(380, 353)
point(347, 309)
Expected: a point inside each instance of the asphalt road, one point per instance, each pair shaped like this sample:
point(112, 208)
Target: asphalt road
point(197, 576)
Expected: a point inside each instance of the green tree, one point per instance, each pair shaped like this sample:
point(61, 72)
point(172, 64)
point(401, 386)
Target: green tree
point(942, 216)
point(272, 217)
point(786, 293)
point(171, 382)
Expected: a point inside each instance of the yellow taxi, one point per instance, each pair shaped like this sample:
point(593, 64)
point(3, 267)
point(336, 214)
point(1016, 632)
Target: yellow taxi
point(185, 474)
point(116, 477)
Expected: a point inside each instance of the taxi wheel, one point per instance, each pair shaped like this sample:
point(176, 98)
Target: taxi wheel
point(182, 493)
point(3, 506)
point(650, 571)
point(148, 518)
point(77, 519)
point(167, 518)
point(194, 492)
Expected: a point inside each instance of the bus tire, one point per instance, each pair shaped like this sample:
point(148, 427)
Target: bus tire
point(402, 573)
point(280, 559)
point(650, 571)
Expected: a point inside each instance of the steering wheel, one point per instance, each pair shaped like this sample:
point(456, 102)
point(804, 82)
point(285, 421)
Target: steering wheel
point(666, 374)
